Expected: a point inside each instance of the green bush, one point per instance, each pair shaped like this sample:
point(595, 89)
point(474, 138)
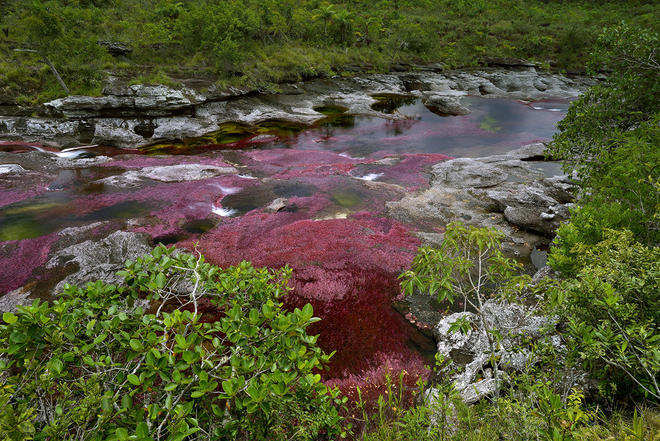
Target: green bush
point(611, 311)
point(182, 350)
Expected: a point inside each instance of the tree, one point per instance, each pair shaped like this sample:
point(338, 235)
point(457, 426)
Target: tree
point(470, 265)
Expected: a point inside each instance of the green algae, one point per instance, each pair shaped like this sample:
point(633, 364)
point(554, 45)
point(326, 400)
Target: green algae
point(490, 124)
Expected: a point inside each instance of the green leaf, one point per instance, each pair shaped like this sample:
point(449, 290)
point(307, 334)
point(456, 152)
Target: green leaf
point(9, 318)
point(134, 379)
point(57, 365)
point(135, 345)
point(122, 434)
point(161, 280)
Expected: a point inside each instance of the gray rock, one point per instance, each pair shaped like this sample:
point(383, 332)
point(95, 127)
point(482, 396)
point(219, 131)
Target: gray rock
point(167, 173)
point(497, 192)
point(6, 169)
point(445, 105)
point(99, 260)
point(12, 300)
point(472, 350)
point(278, 204)
point(468, 173)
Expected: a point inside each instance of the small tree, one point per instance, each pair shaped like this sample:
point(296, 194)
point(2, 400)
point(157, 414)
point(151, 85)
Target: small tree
point(468, 265)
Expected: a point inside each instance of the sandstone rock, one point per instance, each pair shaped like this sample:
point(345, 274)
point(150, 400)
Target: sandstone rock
point(99, 260)
point(472, 350)
point(12, 300)
point(278, 204)
point(445, 105)
point(468, 173)
point(167, 173)
point(6, 169)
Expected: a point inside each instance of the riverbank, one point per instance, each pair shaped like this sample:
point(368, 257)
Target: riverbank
point(261, 45)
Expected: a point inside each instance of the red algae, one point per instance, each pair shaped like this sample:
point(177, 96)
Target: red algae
point(19, 259)
point(346, 268)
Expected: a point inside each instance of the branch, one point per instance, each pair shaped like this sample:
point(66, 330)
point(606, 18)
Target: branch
point(47, 61)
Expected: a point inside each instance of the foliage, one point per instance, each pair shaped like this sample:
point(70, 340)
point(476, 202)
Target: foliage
point(528, 410)
point(597, 121)
point(469, 264)
point(611, 309)
point(181, 350)
point(241, 41)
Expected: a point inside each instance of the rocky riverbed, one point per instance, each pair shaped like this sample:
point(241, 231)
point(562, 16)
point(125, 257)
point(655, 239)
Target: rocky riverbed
point(353, 177)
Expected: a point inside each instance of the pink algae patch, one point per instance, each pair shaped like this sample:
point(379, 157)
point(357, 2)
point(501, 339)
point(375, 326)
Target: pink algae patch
point(8, 197)
point(19, 259)
point(346, 268)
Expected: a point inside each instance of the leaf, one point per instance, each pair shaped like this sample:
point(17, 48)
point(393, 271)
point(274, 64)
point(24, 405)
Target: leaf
point(133, 379)
point(9, 318)
point(122, 434)
point(57, 365)
point(161, 280)
point(135, 345)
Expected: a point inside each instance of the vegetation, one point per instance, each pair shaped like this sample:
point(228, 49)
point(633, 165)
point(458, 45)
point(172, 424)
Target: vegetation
point(258, 43)
point(605, 299)
point(182, 350)
point(469, 264)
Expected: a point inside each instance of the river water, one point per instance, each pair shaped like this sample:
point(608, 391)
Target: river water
point(313, 198)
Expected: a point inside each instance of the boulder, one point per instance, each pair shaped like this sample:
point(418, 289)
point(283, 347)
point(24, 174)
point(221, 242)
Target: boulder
point(445, 105)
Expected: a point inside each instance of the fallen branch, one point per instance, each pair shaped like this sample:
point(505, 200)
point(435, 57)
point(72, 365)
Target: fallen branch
point(46, 60)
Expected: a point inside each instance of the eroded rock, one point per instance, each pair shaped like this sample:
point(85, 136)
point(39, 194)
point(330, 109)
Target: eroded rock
point(99, 259)
point(472, 351)
point(167, 173)
point(445, 105)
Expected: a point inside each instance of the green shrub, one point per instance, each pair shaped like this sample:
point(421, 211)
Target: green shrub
point(611, 311)
point(182, 350)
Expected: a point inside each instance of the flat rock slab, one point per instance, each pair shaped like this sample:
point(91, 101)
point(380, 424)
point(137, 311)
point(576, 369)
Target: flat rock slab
point(168, 173)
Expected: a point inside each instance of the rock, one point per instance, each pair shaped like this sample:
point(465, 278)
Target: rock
point(118, 117)
point(12, 300)
point(496, 192)
point(508, 62)
point(99, 259)
point(167, 173)
point(278, 204)
point(472, 350)
point(468, 173)
point(445, 105)
point(116, 48)
point(6, 169)
point(138, 100)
